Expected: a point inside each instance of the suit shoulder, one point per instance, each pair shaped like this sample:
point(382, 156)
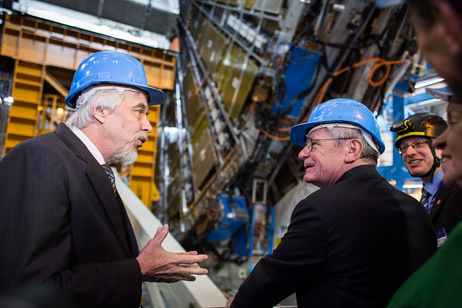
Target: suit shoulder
point(451, 198)
point(38, 146)
point(451, 194)
point(455, 191)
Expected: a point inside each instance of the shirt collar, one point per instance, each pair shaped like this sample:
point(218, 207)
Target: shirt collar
point(90, 146)
point(433, 187)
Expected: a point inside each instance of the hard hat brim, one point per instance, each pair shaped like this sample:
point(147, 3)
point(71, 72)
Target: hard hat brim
point(155, 96)
point(298, 133)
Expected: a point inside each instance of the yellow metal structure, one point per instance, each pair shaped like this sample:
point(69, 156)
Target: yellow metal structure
point(27, 94)
point(141, 176)
point(36, 45)
point(52, 112)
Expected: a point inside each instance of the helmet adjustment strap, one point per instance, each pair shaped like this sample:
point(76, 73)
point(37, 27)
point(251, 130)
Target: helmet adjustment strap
point(436, 163)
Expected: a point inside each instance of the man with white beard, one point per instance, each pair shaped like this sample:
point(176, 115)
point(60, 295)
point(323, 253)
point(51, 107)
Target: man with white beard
point(62, 221)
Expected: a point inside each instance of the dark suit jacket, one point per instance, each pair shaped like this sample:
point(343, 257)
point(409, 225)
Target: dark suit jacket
point(351, 244)
point(446, 211)
point(60, 224)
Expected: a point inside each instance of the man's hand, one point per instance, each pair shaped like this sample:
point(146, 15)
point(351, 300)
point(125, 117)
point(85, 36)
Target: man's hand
point(159, 265)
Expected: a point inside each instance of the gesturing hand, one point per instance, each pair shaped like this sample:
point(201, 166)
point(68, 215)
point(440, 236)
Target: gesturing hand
point(159, 265)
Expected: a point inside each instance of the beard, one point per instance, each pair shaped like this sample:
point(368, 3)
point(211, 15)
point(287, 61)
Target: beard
point(128, 154)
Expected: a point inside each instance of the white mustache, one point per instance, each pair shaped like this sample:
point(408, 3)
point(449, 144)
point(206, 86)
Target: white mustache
point(143, 137)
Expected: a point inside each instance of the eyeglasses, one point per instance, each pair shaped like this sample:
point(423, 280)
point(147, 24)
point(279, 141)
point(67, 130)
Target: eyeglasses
point(403, 149)
point(310, 142)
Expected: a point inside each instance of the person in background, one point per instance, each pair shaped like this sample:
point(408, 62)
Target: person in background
point(437, 283)
point(449, 142)
point(414, 137)
point(438, 25)
point(355, 240)
point(62, 221)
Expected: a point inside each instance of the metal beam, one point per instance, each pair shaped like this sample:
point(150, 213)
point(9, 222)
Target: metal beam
point(56, 84)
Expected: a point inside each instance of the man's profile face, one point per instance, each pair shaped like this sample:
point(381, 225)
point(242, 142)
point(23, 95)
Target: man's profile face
point(127, 127)
point(450, 144)
point(324, 163)
point(441, 52)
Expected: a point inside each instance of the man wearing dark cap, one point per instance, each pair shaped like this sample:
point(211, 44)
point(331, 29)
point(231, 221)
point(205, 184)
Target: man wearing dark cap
point(414, 137)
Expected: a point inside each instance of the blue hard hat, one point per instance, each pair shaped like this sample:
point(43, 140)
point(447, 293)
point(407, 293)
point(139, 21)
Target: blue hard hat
point(112, 67)
point(338, 110)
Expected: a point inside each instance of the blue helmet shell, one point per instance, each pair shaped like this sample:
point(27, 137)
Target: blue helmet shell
point(112, 67)
point(338, 110)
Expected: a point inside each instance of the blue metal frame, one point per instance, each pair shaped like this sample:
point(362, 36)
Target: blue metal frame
point(297, 77)
point(232, 226)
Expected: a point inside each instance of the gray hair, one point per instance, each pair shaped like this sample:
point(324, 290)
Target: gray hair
point(350, 133)
point(103, 98)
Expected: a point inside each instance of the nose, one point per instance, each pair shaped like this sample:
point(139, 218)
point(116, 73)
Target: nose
point(146, 125)
point(410, 151)
point(304, 153)
point(440, 141)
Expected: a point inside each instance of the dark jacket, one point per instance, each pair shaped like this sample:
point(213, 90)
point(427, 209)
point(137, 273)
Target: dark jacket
point(351, 244)
point(60, 224)
point(446, 211)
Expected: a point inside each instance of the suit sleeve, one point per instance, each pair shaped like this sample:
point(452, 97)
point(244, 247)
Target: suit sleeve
point(299, 258)
point(36, 227)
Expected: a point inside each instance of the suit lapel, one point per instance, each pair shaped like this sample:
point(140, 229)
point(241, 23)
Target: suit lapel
point(100, 182)
point(104, 190)
point(131, 238)
point(440, 198)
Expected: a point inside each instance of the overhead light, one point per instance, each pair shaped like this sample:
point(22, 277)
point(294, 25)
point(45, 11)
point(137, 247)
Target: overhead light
point(381, 4)
point(428, 82)
point(413, 186)
point(7, 100)
point(91, 23)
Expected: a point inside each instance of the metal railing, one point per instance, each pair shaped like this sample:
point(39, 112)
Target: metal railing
point(202, 293)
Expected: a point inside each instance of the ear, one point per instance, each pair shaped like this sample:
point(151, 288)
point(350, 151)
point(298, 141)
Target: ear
point(354, 150)
point(100, 114)
point(452, 25)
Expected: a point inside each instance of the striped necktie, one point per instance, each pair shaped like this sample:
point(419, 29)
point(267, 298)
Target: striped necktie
point(424, 200)
point(123, 214)
point(110, 174)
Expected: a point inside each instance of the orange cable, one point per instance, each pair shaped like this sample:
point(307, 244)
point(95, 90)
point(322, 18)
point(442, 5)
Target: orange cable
point(323, 89)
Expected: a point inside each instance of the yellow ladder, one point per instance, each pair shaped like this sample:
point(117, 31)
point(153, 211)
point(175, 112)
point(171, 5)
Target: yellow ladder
point(27, 94)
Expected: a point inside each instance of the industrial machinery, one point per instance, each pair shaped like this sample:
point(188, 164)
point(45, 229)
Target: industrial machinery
point(247, 72)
